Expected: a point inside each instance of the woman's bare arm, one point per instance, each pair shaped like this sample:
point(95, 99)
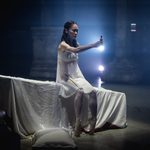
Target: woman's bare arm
point(64, 46)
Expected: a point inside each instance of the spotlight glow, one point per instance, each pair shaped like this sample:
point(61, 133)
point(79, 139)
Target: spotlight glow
point(101, 68)
point(100, 82)
point(101, 48)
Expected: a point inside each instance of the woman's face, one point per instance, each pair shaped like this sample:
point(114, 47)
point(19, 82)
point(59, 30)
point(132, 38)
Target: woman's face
point(73, 31)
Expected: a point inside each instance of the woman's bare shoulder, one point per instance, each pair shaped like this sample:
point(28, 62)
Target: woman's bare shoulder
point(63, 46)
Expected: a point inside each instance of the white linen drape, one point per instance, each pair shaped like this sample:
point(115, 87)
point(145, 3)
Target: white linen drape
point(34, 105)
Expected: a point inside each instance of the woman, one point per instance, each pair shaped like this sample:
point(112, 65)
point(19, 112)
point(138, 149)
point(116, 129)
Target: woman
point(69, 74)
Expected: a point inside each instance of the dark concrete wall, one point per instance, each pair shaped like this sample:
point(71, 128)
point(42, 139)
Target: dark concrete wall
point(95, 17)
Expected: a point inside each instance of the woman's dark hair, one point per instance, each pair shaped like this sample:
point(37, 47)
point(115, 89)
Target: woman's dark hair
point(65, 36)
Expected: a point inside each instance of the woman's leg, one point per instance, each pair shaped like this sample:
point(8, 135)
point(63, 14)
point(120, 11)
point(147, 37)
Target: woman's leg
point(93, 109)
point(77, 107)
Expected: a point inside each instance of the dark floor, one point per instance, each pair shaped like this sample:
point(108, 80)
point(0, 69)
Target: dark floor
point(136, 136)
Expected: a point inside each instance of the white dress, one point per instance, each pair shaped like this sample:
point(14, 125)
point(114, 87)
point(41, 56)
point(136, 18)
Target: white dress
point(111, 105)
point(67, 67)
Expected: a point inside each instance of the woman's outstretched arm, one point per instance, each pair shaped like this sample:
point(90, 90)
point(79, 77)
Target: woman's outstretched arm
point(64, 46)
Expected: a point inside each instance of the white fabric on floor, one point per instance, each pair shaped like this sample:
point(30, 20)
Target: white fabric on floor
point(35, 105)
point(53, 138)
